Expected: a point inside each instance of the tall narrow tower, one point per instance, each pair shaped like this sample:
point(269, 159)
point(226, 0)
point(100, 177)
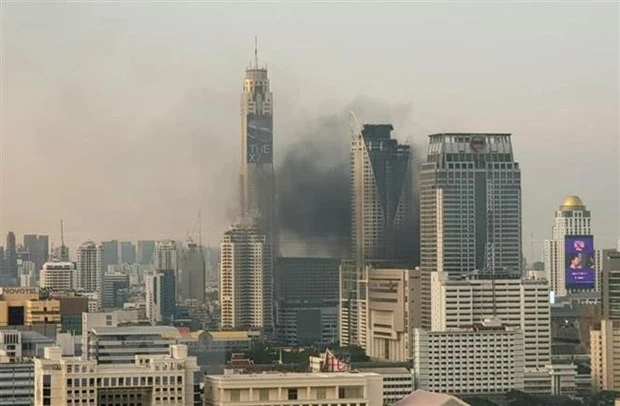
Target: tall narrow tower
point(257, 175)
point(572, 223)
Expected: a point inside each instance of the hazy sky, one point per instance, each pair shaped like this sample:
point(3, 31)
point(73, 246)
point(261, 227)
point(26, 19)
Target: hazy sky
point(123, 118)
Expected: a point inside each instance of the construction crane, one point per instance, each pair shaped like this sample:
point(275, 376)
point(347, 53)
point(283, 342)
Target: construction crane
point(197, 226)
point(356, 127)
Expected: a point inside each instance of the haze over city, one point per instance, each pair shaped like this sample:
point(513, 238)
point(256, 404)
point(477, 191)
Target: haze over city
point(123, 119)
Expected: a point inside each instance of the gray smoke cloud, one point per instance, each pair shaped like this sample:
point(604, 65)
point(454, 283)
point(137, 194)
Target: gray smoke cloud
point(313, 179)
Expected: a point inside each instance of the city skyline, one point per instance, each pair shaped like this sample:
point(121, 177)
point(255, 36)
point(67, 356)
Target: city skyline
point(116, 110)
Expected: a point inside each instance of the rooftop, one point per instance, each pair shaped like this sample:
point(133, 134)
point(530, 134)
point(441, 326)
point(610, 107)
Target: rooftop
point(289, 375)
point(124, 330)
point(424, 398)
point(229, 335)
point(572, 203)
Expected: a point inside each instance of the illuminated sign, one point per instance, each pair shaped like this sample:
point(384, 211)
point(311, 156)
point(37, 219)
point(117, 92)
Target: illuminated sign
point(259, 139)
point(579, 254)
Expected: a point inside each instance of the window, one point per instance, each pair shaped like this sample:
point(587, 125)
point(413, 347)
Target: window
point(235, 395)
point(292, 394)
point(263, 394)
point(321, 393)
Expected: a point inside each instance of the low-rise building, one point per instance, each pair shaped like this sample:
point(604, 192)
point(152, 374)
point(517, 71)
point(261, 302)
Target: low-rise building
point(228, 341)
point(397, 382)
point(150, 380)
point(307, 388)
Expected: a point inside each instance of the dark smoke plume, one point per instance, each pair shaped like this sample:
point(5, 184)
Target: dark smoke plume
point(313, 180)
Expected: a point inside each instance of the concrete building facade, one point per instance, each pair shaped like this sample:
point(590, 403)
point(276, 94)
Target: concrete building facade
point(89, 267)
point(246, 278)
point(486, 358)
point(58, 276)
point(312, 389)
point(150, 380)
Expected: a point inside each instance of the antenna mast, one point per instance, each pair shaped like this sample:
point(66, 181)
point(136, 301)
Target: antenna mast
point(255, 52)
point(62, 234)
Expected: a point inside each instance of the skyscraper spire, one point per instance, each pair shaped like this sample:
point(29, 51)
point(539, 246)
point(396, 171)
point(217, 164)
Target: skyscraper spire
point(255, 52)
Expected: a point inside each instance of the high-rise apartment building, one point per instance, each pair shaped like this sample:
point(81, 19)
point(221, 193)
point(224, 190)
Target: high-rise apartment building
point(146, 252)
point(9, 276)
point(115, 290)
point(38, 247)
point(128, 253)
point(571, 220)
point(109, 255)
point(161, 284)
point(246, 278)
point(381, 197)
point(610, 285)
point(306, 297)
point(58, 276)
point(257, 173)
point(191, 276)
point(470, 207)
point(89, 267)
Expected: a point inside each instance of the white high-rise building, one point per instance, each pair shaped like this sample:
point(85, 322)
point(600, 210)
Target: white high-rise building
point(89, 271)
point(59, 276)
point(572, 219)
point(246, 278)
point(519, 303)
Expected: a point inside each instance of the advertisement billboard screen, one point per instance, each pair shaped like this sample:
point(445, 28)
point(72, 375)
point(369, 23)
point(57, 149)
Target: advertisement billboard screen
point(579, 254)
point(260, 139)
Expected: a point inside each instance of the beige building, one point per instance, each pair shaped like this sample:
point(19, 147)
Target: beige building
point(24, 306)
point(312, 389)
point(152, 380)
point(605, 355)
point(392, 312)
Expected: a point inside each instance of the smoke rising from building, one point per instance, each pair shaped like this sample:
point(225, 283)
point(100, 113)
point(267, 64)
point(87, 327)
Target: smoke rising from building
point(313, 179)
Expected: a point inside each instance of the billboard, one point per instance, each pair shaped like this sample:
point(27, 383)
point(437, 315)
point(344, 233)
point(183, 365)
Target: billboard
point(260, 139)
point(579, 254)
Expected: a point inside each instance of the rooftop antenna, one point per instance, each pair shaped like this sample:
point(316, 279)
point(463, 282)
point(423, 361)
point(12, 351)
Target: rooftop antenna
point(255, 52)
point(62, 234)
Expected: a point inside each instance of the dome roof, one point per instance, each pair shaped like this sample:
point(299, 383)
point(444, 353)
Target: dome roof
point(572, 203)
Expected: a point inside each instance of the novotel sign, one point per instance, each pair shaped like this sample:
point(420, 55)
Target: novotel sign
point(19, 291)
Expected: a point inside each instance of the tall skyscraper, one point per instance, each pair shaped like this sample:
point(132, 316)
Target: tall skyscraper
point(146, 252)
point(161, 284)
point(381, 201)
point(128, 253)
point(571, 220)
point(246, 278)
point(9, 277)
point(191, 275)
point(89, 270)
point(470, 208)
point(109, 254)
point(382, 224)
point(38, 247)
point(257, 173)
point(610, 285)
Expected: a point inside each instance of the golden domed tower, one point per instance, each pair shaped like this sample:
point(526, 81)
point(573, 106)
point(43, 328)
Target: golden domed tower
point(572, 220)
